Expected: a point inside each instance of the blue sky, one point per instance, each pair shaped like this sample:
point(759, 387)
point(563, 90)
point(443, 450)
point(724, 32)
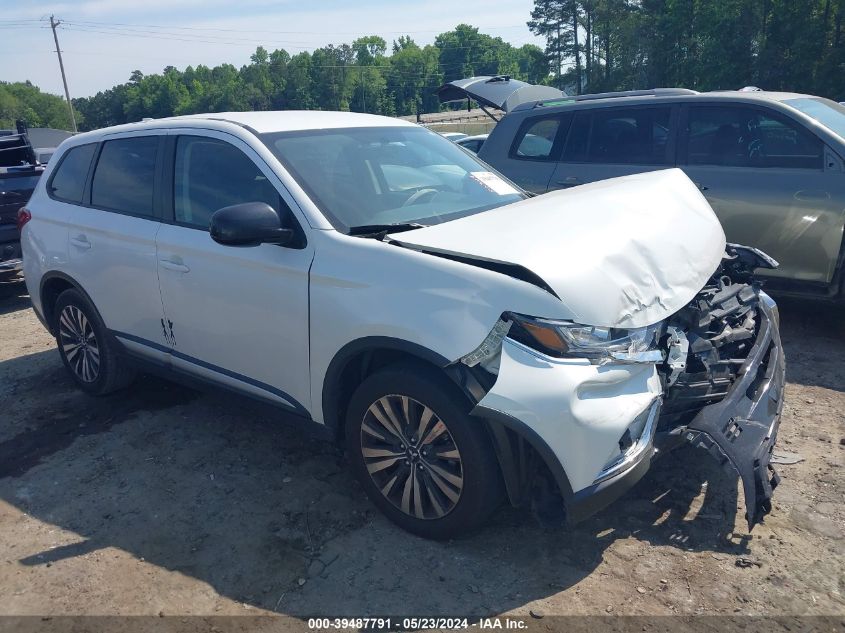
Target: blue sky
point(105, 40)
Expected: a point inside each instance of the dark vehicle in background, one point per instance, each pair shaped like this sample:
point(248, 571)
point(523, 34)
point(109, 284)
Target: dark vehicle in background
point(772, 165)
point(19, 172)
point(44, 154)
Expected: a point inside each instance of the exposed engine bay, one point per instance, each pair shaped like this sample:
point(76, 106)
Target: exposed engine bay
point(708, 341)
point(724, 376)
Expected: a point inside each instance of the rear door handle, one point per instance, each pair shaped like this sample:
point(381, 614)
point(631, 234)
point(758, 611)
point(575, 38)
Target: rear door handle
point(177, 267)
point(811, 196)
point(80, 241)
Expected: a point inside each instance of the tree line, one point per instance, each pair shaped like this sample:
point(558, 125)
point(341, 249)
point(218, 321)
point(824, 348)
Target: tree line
point(603, 45)
point(591, 46)
point(362, 77)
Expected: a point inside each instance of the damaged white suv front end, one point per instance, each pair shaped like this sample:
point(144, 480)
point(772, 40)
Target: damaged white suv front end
point(663, 337)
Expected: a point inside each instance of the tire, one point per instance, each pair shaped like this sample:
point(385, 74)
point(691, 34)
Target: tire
point(88, 351)
point(456, 484)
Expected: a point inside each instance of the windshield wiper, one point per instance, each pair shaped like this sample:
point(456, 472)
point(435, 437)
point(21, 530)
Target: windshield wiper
point(384, 229)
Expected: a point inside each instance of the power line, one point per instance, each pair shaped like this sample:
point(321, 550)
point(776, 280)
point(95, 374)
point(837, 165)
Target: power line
point(230, 30)
point(228, 40)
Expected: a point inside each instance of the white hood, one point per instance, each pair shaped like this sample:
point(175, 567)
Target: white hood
point(625, 252)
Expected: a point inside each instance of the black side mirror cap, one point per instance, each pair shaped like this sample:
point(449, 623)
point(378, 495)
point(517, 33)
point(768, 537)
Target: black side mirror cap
point(248, 224)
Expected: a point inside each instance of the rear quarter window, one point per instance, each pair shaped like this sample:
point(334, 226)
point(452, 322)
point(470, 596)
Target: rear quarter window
point(536, 138)
point(68, 181)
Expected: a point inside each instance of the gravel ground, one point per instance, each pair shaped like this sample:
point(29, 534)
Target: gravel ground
point(163, 500)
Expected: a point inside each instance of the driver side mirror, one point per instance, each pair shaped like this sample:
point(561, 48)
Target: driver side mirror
point(248, 224)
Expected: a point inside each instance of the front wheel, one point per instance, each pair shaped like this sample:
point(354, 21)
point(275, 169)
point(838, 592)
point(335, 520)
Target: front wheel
point(421, 458)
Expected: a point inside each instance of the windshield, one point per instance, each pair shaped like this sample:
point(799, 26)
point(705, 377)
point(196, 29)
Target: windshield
point(829, 113)
point(388, 175)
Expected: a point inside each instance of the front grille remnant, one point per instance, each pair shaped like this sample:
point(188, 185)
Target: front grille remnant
point(720, 324)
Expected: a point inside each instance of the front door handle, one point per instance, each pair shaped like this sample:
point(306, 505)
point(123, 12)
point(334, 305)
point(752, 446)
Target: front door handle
point(177, 267)
point(570, 181)
point(80, 241)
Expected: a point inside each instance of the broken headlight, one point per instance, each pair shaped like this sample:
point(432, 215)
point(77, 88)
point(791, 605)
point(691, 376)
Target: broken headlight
point(564, 339)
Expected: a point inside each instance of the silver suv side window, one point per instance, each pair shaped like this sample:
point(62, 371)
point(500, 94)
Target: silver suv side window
point(627, 136)
point(68, 183)
point(125, 176)
point(536, 138)
point(749, 137)
point(211, 174)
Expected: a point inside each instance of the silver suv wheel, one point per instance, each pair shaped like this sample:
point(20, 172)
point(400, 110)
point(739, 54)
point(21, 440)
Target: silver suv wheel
point(79, 343)
point(411, 457)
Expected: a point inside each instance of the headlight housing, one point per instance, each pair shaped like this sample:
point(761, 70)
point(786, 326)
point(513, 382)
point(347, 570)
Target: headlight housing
point(564, 339)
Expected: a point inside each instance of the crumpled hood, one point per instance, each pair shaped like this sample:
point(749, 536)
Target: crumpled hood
point(625, 252)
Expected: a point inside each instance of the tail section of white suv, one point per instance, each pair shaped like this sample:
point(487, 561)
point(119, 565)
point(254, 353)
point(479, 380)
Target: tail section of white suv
point(462, 341)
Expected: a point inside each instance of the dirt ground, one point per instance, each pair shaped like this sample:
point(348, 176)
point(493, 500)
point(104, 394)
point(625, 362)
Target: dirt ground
point(163, 500)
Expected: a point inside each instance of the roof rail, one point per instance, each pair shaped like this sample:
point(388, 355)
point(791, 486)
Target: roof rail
point(654, 92)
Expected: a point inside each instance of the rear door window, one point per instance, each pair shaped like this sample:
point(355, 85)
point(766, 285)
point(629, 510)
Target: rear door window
point(68, 181)
point(629, 136)
point(125, 176)
point(732, 136)
point(536, 138)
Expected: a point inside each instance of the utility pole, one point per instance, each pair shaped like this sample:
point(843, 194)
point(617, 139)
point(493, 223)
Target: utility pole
point(53, 25)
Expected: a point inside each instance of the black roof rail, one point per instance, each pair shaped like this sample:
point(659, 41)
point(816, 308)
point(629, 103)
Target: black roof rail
point(654, 92)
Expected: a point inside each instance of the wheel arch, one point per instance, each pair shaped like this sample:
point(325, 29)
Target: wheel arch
point(358, 359)
point(52, 285)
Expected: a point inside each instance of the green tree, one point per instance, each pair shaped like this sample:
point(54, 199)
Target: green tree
point(278, 71)
point(557, 22)
point(23, 101)
point(257, 82)
point(298, 90)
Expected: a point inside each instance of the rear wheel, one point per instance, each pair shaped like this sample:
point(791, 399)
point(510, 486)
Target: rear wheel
point(87, 351)
point(422, 459)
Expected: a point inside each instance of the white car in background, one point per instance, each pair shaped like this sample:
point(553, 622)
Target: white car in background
point(473, 143)
point(453, 136)
point(460, 339)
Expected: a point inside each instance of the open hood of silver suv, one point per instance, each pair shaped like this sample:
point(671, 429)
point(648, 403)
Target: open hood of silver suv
point(625, 252)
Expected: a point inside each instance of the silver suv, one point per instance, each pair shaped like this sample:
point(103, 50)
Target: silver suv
point(460, 340)
point(770, 164)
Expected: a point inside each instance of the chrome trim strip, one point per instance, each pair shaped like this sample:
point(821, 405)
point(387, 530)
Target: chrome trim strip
point(644, 444)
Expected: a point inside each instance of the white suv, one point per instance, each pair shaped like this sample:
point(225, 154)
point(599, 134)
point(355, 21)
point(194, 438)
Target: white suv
point(463, 340)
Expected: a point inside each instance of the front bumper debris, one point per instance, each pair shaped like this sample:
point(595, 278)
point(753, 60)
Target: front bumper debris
point(11, 265)
point(740, 430)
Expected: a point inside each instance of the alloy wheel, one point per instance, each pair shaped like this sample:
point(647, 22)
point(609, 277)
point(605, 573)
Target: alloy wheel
point(411, 457)
point(79, 343)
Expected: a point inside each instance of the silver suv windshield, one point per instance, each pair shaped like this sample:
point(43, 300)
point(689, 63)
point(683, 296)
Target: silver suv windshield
point(829, 113)
point(378, 176)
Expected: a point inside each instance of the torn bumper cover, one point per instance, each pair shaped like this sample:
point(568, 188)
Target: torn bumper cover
point(595, 424)
point(741, 430)
point(592, 424)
